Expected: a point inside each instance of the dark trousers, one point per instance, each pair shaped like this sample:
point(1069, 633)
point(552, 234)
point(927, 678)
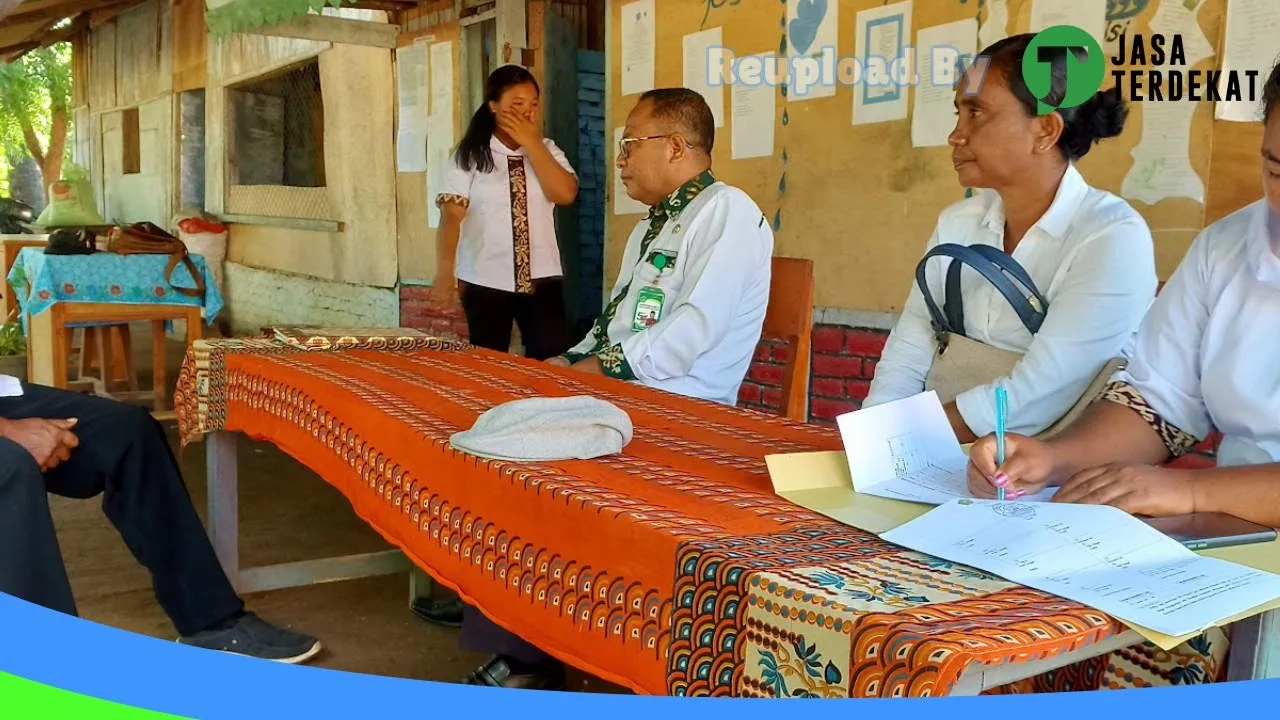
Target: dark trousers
point(540, 317)
point(124, 456)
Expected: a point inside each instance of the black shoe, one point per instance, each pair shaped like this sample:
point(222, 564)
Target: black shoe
point(252, 636)
point(441, 612)
point(504, 672)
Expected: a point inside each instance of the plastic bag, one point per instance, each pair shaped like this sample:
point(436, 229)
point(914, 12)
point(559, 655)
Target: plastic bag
point(71, 202)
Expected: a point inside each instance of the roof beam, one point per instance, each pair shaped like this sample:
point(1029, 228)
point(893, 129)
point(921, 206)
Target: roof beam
point(327, 28)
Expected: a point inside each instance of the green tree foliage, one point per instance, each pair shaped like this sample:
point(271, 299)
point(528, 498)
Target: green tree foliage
point(35, 109)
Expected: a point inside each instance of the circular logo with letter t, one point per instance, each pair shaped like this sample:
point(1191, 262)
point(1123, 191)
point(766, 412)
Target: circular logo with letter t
point(1068, 52)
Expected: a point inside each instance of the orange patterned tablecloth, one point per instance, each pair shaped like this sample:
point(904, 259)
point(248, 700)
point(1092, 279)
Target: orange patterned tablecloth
point(671, 568)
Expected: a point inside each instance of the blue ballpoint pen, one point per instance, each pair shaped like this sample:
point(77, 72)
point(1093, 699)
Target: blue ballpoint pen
point(1002, 408)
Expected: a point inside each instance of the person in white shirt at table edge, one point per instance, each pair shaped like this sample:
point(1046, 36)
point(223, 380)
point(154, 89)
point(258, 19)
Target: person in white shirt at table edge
point(686, 312)
point(689, 302)
point(1089, 252)
point(1206, 357)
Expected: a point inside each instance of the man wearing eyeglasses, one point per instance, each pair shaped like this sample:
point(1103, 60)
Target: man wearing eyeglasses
point(686, 312)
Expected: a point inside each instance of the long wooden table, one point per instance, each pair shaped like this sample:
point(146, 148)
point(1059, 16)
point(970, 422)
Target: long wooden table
point(669, 569)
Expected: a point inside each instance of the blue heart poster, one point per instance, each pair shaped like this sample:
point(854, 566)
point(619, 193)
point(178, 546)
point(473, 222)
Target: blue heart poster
point(811, 48)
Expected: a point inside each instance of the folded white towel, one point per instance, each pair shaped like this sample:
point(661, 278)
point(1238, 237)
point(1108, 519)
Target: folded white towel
point(568, 428)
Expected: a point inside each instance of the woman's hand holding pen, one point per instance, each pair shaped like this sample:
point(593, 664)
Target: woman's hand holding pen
point(1030, 466)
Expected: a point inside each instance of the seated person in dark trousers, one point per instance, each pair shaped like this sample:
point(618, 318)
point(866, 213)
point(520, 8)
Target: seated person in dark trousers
point(80, 446)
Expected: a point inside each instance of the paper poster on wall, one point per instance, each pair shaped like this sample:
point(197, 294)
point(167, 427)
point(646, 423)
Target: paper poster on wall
point(441, 71)
point(697, 69)
point(622, 202)
point(411, 115)
point(811, 47)
point(439, 155)
point(755, 104)
point(881, 92)
point(995, 26)
point(942, 53)
point(1250, 44)
point(638, 31)
point(1162, 159)
point(1090, 15)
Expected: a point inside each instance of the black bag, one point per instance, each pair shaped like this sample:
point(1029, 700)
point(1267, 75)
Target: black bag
point(71, 241)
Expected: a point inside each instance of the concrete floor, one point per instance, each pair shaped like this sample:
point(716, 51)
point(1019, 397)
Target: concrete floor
point(287, 513)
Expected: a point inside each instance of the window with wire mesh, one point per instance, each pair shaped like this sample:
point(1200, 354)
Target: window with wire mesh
point(276, 130)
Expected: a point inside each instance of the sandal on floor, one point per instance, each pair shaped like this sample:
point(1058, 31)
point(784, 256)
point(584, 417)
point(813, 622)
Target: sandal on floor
point(498, 673)
point(440, 612)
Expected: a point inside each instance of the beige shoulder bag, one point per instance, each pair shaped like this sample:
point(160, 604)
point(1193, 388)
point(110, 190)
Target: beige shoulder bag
point(962, 362)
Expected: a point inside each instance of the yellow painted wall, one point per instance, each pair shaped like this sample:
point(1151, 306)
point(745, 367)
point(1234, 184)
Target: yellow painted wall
point(860, 200)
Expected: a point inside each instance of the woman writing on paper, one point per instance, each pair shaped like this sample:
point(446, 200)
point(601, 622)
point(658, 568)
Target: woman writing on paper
point(1206, 358)
point(497, 251)
point(1087, 252)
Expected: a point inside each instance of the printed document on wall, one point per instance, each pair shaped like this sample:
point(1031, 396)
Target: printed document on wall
point(1091, 15)
point(1097, 555)
point(638, 30)
point(698, 68)
point(883, 33)
point(1162, 159)
point(754, 109)
point(811, 47)
point(942, 52)
point(411, 91)
point(995, 23)
point(1250, 44)
point(622, 202)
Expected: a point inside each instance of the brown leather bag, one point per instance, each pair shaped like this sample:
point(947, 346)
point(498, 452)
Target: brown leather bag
point(147, 239)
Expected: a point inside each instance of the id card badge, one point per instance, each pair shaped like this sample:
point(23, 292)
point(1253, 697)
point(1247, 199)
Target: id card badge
point(648, 308)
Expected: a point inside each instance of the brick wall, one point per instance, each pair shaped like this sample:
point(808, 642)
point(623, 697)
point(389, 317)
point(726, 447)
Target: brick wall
point(418, 313)
point(843, 363)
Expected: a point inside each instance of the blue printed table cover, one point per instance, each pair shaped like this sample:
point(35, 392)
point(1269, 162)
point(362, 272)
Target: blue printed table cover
point(105, 277)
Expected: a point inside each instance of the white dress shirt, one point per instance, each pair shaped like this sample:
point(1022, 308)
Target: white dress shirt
point(1208, 354)
point(486, 245)
point(1090, 255)
point(719, 251)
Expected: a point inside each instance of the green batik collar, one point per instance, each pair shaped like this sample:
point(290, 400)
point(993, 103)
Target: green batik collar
point(683, 195)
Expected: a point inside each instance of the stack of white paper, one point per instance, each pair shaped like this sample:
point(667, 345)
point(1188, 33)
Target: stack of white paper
point(1096, 555)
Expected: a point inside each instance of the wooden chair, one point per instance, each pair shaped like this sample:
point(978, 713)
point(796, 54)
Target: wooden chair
point(789, 318)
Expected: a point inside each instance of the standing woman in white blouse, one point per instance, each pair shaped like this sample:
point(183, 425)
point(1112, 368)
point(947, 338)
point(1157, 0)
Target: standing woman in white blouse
point(1089, 254)
point(497, 250)
point(1206, 358)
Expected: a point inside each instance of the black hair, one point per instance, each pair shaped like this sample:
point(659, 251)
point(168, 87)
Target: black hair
point(688, 110)
point(473, 151)
point(1271, 93)
point(1101, 116)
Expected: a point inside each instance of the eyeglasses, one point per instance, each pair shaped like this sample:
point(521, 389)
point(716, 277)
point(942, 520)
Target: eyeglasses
point(624, 146)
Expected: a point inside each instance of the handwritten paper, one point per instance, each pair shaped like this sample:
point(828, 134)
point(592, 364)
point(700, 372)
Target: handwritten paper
point(882, 35)
point(412, 99)
point(697, 69)
point(622, 202)
point(1093, 554)
point(638, 30)
point(1089, 15)
point(811, 44)
point(1252, 27)
point(754, 108)
point(1162, 159)
point(906, 450)
point(942, 51)
point(995, 25)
